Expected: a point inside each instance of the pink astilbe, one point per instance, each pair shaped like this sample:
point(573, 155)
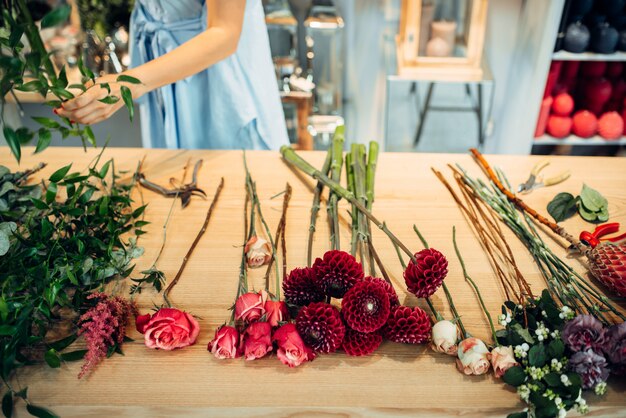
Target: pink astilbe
point(103, 326)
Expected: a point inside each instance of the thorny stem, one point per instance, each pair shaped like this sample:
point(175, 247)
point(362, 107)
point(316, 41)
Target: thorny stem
point(315, 207)
point(280, 235)
point(469, 279)
point(194, 244)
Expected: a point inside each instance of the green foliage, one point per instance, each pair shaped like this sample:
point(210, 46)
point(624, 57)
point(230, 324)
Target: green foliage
point(65, 240)
point(151, 277)
point(562, 207)
point(591, 205)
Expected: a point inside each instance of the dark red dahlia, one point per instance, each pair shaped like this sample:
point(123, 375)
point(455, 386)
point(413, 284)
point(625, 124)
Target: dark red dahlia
point(407, 325)
point(391, 292)
point(301, 287)
point(365, 307)
point(337, 272)
point(424, 275)
point(320, 326)
point(359, 343)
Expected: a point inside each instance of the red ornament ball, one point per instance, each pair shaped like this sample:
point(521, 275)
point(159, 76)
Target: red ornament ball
point(359, 343)
point(593, 68)
point(584, 124)
point(614, 69)
point(598, 90)
point(301, 287)
point(407, 325)
point(365, 307)
point(559, 126)
point(611, 125)
point(337, 272)
point(321, 327)
point(563, 105)
point(391, 292)
point(424, 275)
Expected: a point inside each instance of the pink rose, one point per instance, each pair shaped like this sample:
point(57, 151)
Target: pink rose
point(291, 349)
point(502, 359)
point(257, 340)
point(168, 328)
point(275, 312)
point(225, 344)
point(445, 336)
point(258, 252)
point(249, 307)
point(473, 357)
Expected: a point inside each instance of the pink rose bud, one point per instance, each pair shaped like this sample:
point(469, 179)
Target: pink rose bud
point(445, 336)
point(141, 321)
point(291, 349)
point(249, 307)
point(168, 329)
point(502, 359)
point(258, 252)
point(225, 344)
point(257, 340)
point(275, 312)
point(473, 357)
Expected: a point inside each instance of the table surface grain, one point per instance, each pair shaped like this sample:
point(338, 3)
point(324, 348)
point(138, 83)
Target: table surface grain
point(398, 380)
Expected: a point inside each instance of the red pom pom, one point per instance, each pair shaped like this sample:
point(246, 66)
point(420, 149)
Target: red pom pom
point(365, 307)
point(424, 275)
point(361, 344)
point(611, 125)
point(321, 327)
point(585, 124)
point(559, 126)
point(391, 292)
point(301, 287)
point(563, 104)
point(593, 68)
point(408, 325)
point(337, 272)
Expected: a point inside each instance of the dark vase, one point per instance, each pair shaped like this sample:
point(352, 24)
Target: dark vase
point(576, 38)
point(604, 39)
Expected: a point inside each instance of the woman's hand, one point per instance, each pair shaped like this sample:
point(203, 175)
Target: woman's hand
point(87, 108)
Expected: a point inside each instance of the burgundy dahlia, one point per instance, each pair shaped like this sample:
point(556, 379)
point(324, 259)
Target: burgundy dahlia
point(424, 275)
point(337, 272)
point(365, 307)
point(391, 292)
point(301, 287)
point(320, 326)
point(407, 325)
point(361, 344)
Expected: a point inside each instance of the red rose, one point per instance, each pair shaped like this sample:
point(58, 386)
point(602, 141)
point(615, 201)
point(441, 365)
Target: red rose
point(168, 328)
point(275, 312)
point(225, 344)
point(249, 307)
point(291, 349)
point(257, 340)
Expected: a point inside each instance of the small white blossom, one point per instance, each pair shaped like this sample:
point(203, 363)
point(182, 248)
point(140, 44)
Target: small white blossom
point(556, 334)
point(562, 413)
point(565, 380)
point(524, 392)
point(566, 313)
point(521, 351)
point(504, 320)
point(556, 366)
point(600, 389)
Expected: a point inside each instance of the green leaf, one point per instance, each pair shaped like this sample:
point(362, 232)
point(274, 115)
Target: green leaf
point(140, 224)
point(137, 212)
point(7, 404)
point(5, 244)
point(104, 170)
point(128, 79)
point(110, 100)
point(39, 204)
point(73, 355)
point(61, 79)
point(60, 92)
point(90, 136)
point(553, 379)
point(80, 87)
point(51, 193)
point(84, 70)
point(56, 16)
point(104, 206)
point(58, 175)
point(13, 142)
point(586, 214)
point(16, 35)
point(40, 412)
point(34, 85)
point(562, 207)
point(548, 411)
point(62, 344)
point(537, 355)
point(556, 348)
point(52, 358)
point(45, 137)
point(7, 330)
point(523, 333)
point(592, 199)
point(127, 96)
point(603, 215)
point(47, 122)
point(514, 376)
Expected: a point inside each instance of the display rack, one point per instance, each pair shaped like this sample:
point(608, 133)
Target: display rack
point(588, 56)
point(576, 140)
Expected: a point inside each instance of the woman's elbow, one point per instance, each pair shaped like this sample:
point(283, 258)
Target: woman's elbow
point(231, 42)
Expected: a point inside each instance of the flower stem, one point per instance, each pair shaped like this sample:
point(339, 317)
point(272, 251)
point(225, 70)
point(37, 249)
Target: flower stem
point(335, 172)
point(280, 235)
point(315, 207)
point(359, 168)
point(354, 213)
point(194, 244)
point(473, 284)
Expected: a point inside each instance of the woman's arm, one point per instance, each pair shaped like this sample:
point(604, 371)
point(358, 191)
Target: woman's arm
point(224, 23)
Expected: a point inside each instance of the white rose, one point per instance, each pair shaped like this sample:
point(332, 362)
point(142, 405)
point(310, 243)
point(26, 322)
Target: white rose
point(473, 357)
point(258, 252)
point(445, 336)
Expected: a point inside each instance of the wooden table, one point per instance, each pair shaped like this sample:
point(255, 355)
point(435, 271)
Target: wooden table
point(397, 380)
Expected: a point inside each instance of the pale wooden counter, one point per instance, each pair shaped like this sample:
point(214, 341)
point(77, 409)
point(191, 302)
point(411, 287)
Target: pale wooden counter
point(397, 380)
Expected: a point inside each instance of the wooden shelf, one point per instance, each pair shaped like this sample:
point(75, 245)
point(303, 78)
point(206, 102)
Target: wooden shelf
point(588, 56)
point(576, 140)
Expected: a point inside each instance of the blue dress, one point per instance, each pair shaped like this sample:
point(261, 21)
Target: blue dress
point(233, 104)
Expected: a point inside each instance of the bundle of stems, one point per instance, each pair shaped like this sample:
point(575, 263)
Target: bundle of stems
point(564, 283)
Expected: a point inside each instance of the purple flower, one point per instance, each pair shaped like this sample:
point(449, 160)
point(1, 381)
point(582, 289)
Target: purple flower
point(591, 367)
point(615, 348)
point(584, 332)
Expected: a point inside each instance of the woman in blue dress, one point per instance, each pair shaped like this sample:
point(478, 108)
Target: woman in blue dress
point(207, 79)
